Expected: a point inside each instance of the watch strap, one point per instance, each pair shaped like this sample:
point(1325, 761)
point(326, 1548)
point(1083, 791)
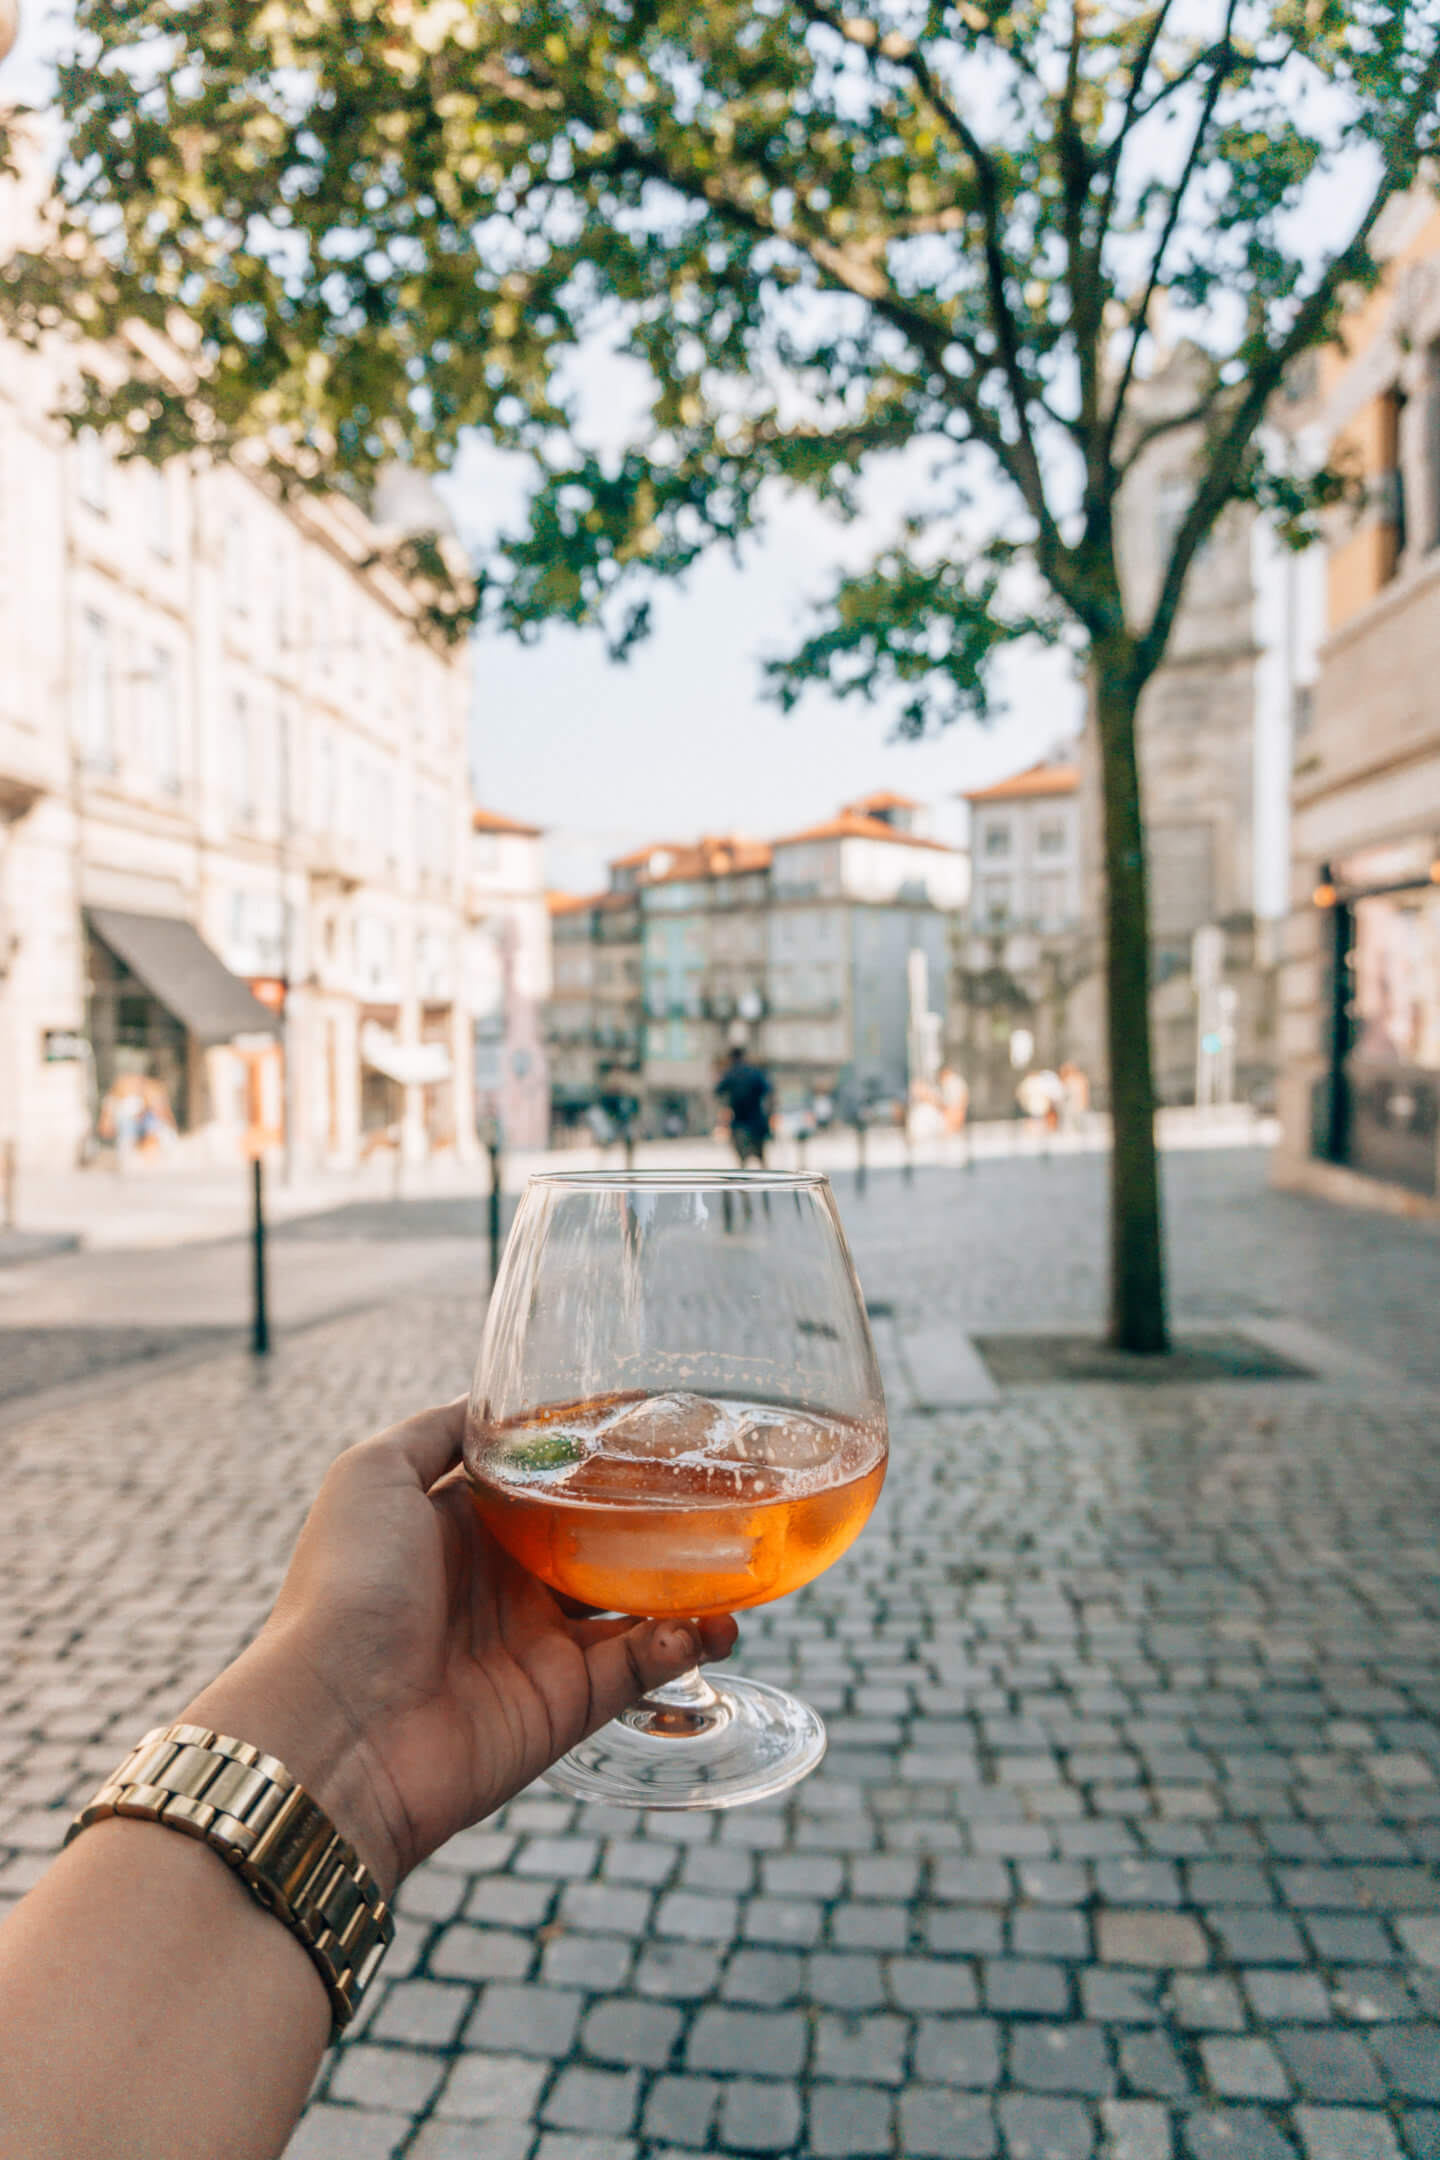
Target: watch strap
point(247, 1807)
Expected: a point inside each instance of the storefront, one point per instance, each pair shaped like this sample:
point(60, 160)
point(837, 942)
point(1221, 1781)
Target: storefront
point(1376, 1109)
point(388, 1068)
point(158, 999)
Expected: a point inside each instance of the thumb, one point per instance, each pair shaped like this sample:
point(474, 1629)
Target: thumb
point(637, 1656)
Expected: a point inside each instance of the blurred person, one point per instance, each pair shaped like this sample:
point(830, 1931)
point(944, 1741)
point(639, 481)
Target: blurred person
point(1075, 1103)
point(122, 1114)
point(744, 1089)
point(411, 1678)
point(954, 1099)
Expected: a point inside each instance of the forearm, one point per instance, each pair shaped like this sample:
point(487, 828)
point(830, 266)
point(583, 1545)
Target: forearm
point(149, 2005)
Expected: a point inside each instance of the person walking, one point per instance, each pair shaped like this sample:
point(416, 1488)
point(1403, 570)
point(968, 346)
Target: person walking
point(744, 1089)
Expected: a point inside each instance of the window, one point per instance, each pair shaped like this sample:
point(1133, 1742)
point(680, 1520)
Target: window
point(1050, 900)
point(1182, 879)
point(97, 716)
point(92, 464)
point(164, 744)
point(259, 923)
point(324, 818)
point(1050, 840)
point(433, 969)
point(1388, 484)
point(239, 761)
point(374, 952)
point(155, 481)
point(996, 902)
point(997, 840)
point(237, 564)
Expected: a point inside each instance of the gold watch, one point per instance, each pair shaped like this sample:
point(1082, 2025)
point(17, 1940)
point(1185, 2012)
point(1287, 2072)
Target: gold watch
point(268, 1829)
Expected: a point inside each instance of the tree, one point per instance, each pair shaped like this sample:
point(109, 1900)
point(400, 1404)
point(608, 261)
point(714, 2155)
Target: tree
point(830, 234)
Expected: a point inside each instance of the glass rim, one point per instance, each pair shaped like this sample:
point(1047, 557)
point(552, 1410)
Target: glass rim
point(682, 1180)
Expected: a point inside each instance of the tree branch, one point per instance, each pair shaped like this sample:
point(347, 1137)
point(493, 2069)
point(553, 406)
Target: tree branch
point(1222, 51)
point(1023, 462)
point(1155, 431)
point(1397, 171)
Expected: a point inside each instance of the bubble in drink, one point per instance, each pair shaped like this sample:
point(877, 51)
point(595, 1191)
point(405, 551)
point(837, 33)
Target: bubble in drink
point(674, 1502)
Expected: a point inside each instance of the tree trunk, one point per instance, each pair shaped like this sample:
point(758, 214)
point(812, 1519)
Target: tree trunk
point(1137, 1257)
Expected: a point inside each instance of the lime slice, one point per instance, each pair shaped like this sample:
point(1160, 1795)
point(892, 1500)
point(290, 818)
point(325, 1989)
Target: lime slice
point(540, 1453)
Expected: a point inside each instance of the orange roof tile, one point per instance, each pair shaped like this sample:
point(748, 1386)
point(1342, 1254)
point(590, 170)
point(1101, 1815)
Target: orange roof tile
point(883, 799)
point(564, 903)
point(849, 825)
point(492, 821)
point(1036, 780)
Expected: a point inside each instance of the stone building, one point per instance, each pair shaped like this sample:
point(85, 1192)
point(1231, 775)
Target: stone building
point(1212, 772)
point(703, 916)
point(231, 755)
point(1025, 949)
point(507, 954)
point(796, 948)
point(1360, 1093)
point(850, 900)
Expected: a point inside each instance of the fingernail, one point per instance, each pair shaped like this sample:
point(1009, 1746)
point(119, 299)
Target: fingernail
point(677, 1645)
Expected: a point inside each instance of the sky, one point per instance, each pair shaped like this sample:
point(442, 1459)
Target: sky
point(678, 740)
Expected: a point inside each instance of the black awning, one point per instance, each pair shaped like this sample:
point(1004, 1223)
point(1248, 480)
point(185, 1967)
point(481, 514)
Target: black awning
point(177, 967)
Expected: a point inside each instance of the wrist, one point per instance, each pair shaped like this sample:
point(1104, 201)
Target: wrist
point(270, 1698)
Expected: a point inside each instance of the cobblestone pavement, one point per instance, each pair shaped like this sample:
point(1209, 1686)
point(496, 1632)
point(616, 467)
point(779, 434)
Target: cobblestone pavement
point(1126, 1842)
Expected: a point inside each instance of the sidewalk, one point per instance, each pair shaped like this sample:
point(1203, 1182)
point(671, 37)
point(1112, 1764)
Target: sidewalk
point(155, 1205)
point(1126, 1845)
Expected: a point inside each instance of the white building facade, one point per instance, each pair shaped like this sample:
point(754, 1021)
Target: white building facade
point(220, 721)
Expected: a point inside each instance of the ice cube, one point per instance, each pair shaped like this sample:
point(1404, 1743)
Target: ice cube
point(662, 1427)
point(784, 1441)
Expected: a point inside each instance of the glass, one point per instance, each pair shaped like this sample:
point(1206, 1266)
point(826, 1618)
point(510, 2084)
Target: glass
point(677, 1410)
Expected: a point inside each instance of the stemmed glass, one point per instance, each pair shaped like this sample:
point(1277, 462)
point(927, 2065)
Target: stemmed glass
point(677, 1410)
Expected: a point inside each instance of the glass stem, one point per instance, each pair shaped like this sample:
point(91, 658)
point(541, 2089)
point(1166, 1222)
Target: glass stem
point(683, 1709)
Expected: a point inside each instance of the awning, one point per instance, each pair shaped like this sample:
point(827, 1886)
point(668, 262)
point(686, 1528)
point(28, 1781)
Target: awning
point(177, 967)
point(421, 1064)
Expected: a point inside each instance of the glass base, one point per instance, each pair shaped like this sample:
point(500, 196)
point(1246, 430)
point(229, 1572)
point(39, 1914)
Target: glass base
point(696, 1745)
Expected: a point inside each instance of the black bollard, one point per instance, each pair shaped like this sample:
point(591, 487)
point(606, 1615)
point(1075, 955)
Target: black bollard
point(496, 1175)
point(260, 1317)
point(859, 1155)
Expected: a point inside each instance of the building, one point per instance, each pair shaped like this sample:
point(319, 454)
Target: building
point(570, 1017)
point(703, 922)
point(508, 975)
point(849, 901)
point(1213, 738)
point(231, 754)
point(798, 949)
point(1360, 1090)
point(1027, 947)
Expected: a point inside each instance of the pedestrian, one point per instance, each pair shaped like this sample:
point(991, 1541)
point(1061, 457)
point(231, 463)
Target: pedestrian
point(157, 1999)
point(744, 1089)
point(954, 1099)
point(1076, 1100)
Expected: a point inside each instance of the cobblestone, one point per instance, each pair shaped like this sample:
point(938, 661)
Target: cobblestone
point(1128, 1840)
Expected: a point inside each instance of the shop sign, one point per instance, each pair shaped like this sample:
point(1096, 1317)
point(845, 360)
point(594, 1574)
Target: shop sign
point(63, 1047)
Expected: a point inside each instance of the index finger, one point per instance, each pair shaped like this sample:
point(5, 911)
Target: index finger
point(429, 1442)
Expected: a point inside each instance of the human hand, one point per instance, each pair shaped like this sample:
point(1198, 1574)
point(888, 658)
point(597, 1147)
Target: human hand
point(412, 1675)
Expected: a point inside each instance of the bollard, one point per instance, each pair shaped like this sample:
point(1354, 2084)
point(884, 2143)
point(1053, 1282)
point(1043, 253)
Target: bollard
point(496, 1176)
point(629, 1144)
point(260, 1316)
point(859, 1156)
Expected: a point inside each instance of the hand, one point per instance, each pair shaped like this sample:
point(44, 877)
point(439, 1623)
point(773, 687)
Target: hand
point(412, 1676)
